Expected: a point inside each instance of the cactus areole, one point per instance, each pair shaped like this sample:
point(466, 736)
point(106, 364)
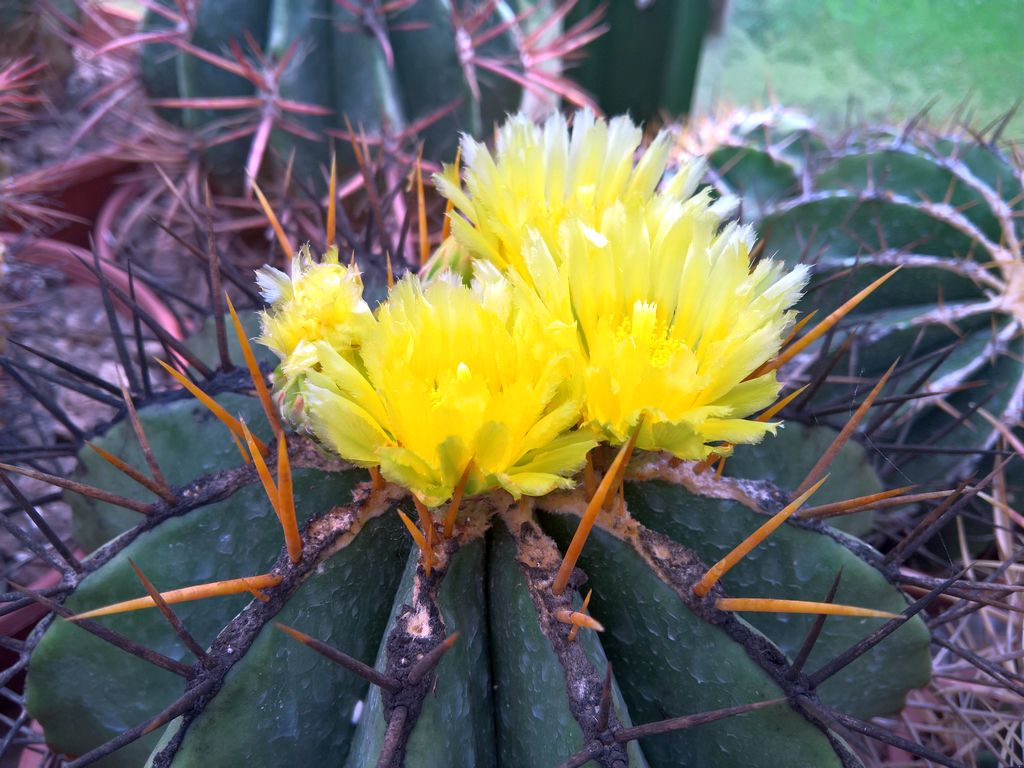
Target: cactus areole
point(505, 541)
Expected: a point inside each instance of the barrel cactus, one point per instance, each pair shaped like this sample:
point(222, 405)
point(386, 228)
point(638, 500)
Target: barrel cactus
point(580, 589)
point(289, 74)
point(945, 209)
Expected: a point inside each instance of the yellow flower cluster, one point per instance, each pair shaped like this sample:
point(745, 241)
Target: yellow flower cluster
point(668, 316)
point(602, 298)
point(446, 379)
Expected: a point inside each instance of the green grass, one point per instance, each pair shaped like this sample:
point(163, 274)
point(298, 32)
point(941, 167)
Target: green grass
point(856, 60)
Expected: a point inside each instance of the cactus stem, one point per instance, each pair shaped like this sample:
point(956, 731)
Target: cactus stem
point(82, 488)
point(215, 408)
point(770, 605)
point(722, 567)
point(251, 584)
point(604, 490)
point(446, 227)
point(860, 502)
point(254, 371)
point(275, 223)
point(821, 328)
point(421, 541)
point(286, 503)
point(172, 618)
point(365, 671)
point(578, 619)
point(261, 469)
point(844, 434)
point(147, 451)
point(453, 505)
point(574, 630)
point(421, 210)
point(132, 472)
point(689, 721)
point(431, 659)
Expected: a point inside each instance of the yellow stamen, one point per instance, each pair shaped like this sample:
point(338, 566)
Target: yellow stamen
point(719, 569)
point(391, 273)
point(768, 605)
point(453, 505)
point(215, 408)
point(187, 594)
point(286, 503)
point(821, 328)
point(604, 490)
point(282, 238)
point(254, 370)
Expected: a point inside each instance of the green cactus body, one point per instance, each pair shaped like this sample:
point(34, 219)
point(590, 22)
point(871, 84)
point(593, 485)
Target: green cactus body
point(513, 690)
point(410, 72)
point(647, 63)
point(945, 210)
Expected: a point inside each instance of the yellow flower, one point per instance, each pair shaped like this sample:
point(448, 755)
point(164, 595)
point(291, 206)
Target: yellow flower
point(319, 302)
point(453, 377)
point(667, 316)
point(542, 176)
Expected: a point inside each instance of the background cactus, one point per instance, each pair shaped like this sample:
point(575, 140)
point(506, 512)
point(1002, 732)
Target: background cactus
point(944, 208)
point(293, 74)
point(646, 64)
